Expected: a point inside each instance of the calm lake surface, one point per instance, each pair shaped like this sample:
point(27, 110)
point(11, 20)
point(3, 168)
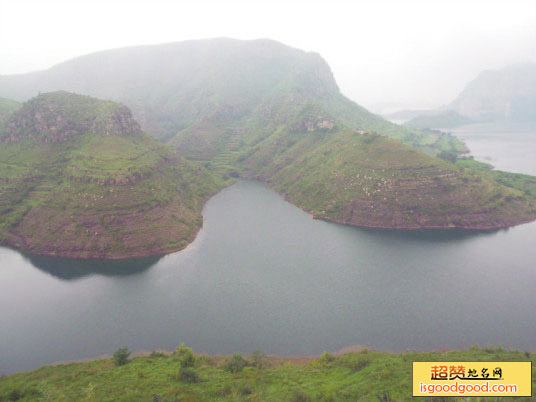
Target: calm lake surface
point(262, 274)
point(507, 146)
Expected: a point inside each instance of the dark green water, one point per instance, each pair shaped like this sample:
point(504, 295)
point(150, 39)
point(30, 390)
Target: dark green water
point(263, 275)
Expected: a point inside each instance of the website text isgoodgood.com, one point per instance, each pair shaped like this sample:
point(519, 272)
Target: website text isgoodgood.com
point(461, 389)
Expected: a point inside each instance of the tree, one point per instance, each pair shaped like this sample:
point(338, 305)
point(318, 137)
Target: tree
point(121, 356)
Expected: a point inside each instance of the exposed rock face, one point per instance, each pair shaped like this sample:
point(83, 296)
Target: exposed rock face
point(60, 116)
point(316, 123)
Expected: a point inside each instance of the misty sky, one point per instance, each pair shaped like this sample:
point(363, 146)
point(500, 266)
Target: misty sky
point(414, 53)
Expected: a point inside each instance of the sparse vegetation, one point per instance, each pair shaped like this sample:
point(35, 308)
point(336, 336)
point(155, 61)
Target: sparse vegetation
point(365, 375)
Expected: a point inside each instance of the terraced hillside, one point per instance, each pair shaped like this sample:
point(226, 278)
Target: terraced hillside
point(366, 179)
point(78, 178)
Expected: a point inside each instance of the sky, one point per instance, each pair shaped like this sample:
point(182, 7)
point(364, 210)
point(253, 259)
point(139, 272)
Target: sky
point(384, 54)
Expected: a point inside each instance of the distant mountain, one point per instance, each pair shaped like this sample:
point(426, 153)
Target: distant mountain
point(495, 95)
point(78, 178)
point(264, 110)
point(445, 119)
point(509, 93)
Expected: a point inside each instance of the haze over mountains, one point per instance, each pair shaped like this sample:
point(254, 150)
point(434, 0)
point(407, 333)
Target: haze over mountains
point(194, 93)
point(495, 95)
point(504, 94)
point(256, 109)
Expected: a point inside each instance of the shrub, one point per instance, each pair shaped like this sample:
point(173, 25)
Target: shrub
point(185, 355)
point(326, 358)
point(257, 359)
point(187, 360)
point(121, 356)
point(235, 364)
point(187, 374)
point(355, 361)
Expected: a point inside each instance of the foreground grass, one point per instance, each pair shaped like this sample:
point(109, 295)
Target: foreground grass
point(363, 375)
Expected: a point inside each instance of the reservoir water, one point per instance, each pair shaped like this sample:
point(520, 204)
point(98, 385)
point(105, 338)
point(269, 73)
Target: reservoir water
point(507, 146)
point(262, 274)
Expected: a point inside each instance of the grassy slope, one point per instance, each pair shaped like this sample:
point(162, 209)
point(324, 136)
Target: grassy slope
point(522, 182)
point(371, 180)
point(98, 195)
point(353, 376)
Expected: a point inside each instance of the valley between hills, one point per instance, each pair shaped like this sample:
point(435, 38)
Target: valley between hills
point(80, 177)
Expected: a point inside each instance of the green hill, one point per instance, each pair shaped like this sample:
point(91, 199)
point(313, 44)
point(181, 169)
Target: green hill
point(262, 109)
point(366, 179)
point(208, 97)
point(362, 375)
point(78, 178)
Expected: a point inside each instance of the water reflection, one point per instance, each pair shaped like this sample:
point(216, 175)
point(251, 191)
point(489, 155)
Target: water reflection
point(72, 269)
point(429, 235)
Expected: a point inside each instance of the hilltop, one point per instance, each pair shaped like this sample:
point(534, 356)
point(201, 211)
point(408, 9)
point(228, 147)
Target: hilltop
point(79, 178)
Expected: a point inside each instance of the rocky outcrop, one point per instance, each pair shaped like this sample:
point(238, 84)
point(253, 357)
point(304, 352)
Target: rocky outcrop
point(60, 116)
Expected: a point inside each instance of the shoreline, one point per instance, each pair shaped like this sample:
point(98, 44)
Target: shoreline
point(473, 228)
point(137, 255)
point(131, 256)
point(295, 360)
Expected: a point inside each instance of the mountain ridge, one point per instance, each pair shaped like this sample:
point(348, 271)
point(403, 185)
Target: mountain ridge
point(275, 113)
point(185, 86)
